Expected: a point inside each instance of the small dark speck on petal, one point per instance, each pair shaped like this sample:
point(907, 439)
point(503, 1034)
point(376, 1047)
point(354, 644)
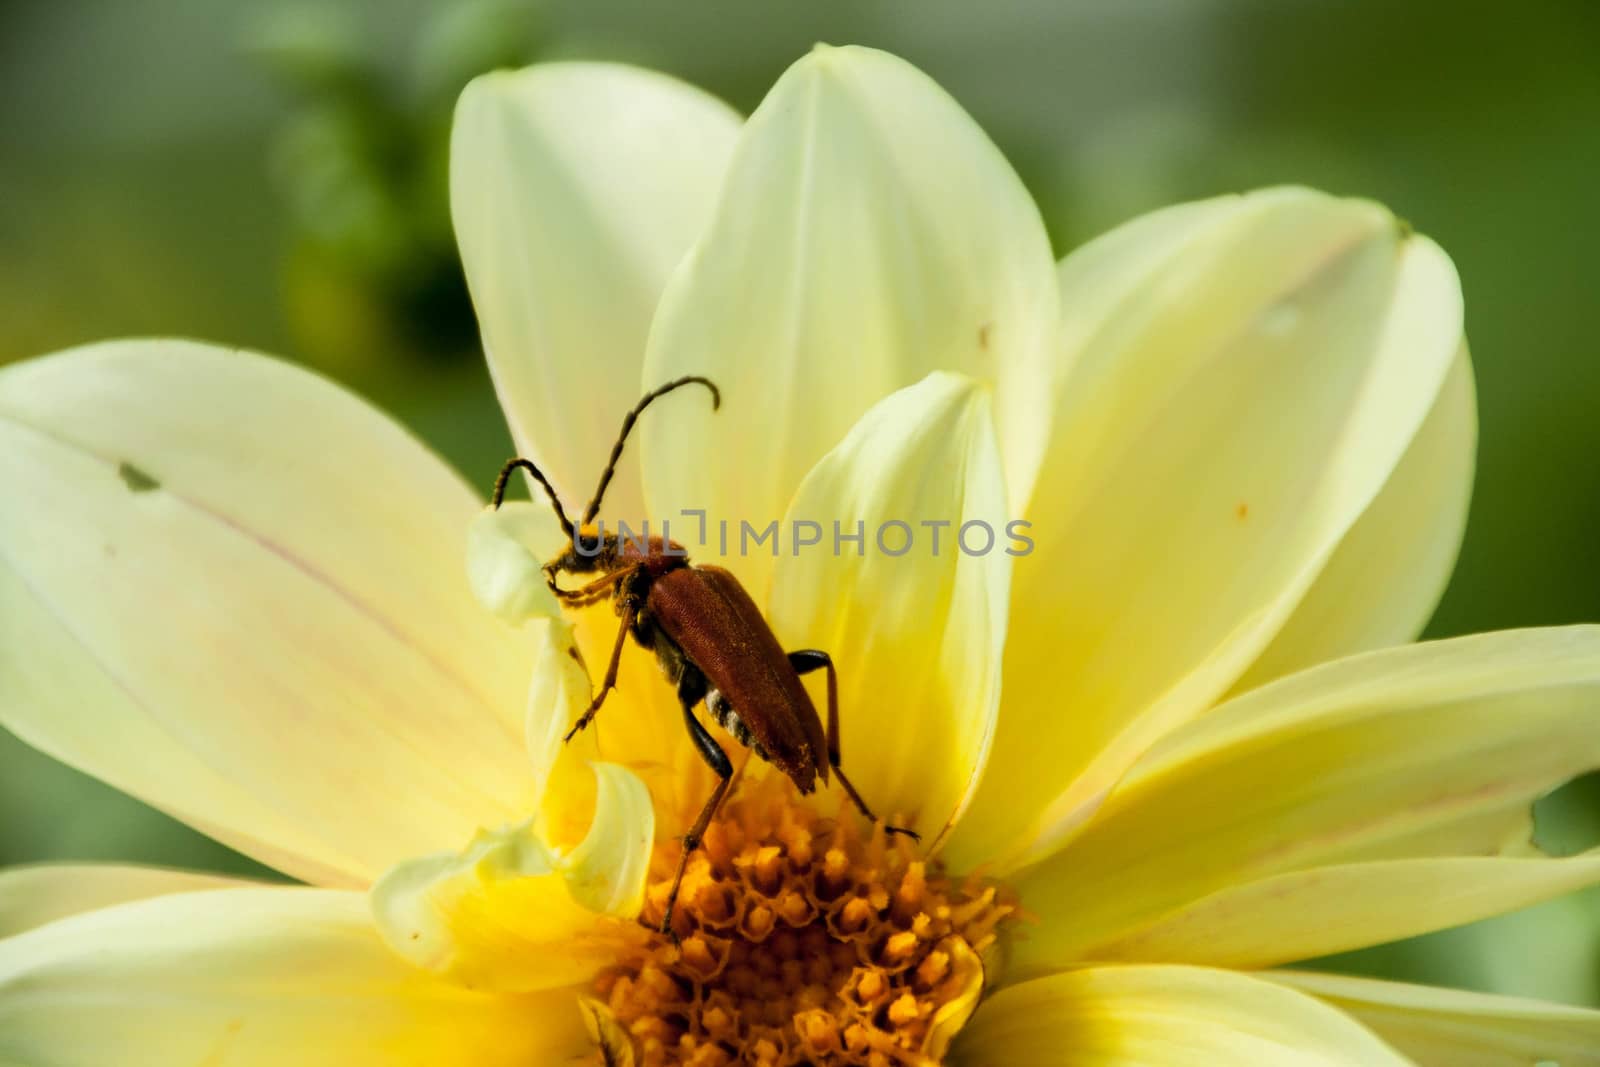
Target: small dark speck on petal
point(135, 479)
point(1242, 512)
point(983, 335)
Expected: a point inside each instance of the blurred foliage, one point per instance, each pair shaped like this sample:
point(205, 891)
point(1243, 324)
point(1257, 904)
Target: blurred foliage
point(274, 177)
point(362, 165)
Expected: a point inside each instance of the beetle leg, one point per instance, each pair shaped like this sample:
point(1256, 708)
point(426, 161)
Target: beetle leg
point(630, 608)
point(590, 593)
point(577, 599)
point(574, 600)
point(804, 662)
point(691, 688)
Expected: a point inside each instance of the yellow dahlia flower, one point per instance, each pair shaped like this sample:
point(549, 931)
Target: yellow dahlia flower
point(1177, 744)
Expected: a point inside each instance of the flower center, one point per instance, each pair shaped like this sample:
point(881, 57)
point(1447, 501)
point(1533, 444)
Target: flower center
point(803, 940)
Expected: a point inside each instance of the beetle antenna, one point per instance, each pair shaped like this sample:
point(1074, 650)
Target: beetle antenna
point(627, 427)
point(527, 465)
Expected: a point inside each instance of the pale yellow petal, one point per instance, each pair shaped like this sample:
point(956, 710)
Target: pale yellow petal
point(1324, 910)
point(557, 696)
point(506, 551)
point(511, 913)
point(255, 978)
point(869, 233)
point(914, 613)
point(575, 189)
point(236, 592)
point(1452, 1028)
point(606, 872)
point(1428, 750)
point(34, 895)
point(1387, 575)
point(1242, 386)
point(640, 724)
point(1155, 1016)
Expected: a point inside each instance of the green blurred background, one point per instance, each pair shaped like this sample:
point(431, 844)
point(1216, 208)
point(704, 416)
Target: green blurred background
point(271, 176)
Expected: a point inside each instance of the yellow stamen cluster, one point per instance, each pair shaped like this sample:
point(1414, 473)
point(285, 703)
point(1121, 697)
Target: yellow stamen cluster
point(803, 940)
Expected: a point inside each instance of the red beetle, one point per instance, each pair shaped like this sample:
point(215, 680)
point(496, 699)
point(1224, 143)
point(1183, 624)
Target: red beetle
point(711, 641)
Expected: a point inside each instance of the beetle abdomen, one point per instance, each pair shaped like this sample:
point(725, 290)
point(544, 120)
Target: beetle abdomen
point(728, 718)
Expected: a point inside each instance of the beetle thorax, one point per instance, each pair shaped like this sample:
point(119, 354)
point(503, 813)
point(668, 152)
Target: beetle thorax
point(804, 939)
